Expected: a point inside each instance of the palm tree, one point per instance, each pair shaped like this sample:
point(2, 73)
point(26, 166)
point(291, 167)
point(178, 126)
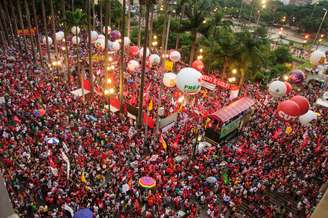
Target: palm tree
point(7, 16)
point(66, 56)
point(53, 26)
point(253, 52)
point(37, 31)
point(15, 23)
point(122, 65)
point(77, 18)
point(90, 45)
point(148, 4)
point(101, 14)
point(107, 15)
point(5, 32)
point(29, 25)
point(128, 19)
point(165, 8)
point(139, 24)
point(197, 13)
point(2, 32)
point(44, 18)
point(221, 49)
point(21, 21)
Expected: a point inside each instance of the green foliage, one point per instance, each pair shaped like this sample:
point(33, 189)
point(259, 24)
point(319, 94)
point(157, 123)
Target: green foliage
point(75, 18)
point(281, 55)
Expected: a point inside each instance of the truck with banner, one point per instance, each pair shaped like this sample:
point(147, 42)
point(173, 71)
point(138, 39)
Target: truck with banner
point(228, 120)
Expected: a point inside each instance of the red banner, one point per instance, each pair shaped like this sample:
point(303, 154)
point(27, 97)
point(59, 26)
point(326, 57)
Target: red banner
point(26, 32)
point(219, 82)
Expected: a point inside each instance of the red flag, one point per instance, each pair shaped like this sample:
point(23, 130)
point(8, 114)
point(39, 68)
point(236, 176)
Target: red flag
point(318, 147)
point(277, 133)
point(305, 140)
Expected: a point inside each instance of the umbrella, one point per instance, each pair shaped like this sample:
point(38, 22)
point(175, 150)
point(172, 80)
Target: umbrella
point(53, 141)
point(83, 213)
point(147, 182)
point(125, 188)
point(211, 179)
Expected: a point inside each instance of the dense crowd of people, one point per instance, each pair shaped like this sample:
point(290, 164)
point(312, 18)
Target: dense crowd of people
point(108, 152)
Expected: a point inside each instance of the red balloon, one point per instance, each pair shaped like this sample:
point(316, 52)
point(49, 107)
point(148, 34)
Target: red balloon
point(302, 102)
point(198, 65)
point(134, 50)
point(288, 110)
point(289, 87)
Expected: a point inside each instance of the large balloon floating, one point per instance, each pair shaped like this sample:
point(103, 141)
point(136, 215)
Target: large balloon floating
point(115, 35)
point(302, 102)
point(154, 59)
point(277, 89)
point(101, 36)
point(297, 76)
point(188, 80)
point(44, 40)
point(307, 118)
point(100, 44)
point(114, 46)
point(134, 50)
point(317, 57)
point(169, 79)
point(76, 40)
point(141, 52)
point(75, 30)
point(289, 87)
point(288, 110)
point(175, 56)
point(198, 65)
point(94, 36)
point(133, 65)
point(59, 35)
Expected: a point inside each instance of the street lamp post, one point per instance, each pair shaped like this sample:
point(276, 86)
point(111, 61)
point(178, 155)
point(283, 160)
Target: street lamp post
point(108, 92)
point(320, 26)
point(263, 7)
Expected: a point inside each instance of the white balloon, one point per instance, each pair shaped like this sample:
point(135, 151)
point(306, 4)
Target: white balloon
point(277, 89)
point(100, 44)
point(317, 57)
point(175, 56)
point(169, 79)
point(44, 40)
point(305, 119)
point(141, 52)
point(94, 35)
point(76, 40)
point(133, 65)
point(75, 30)
point(59, 36)
point(154, 59)
point(127, 41)
point(115, 45)
point(108, 29)
point(101, 36)
point(188, 80)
